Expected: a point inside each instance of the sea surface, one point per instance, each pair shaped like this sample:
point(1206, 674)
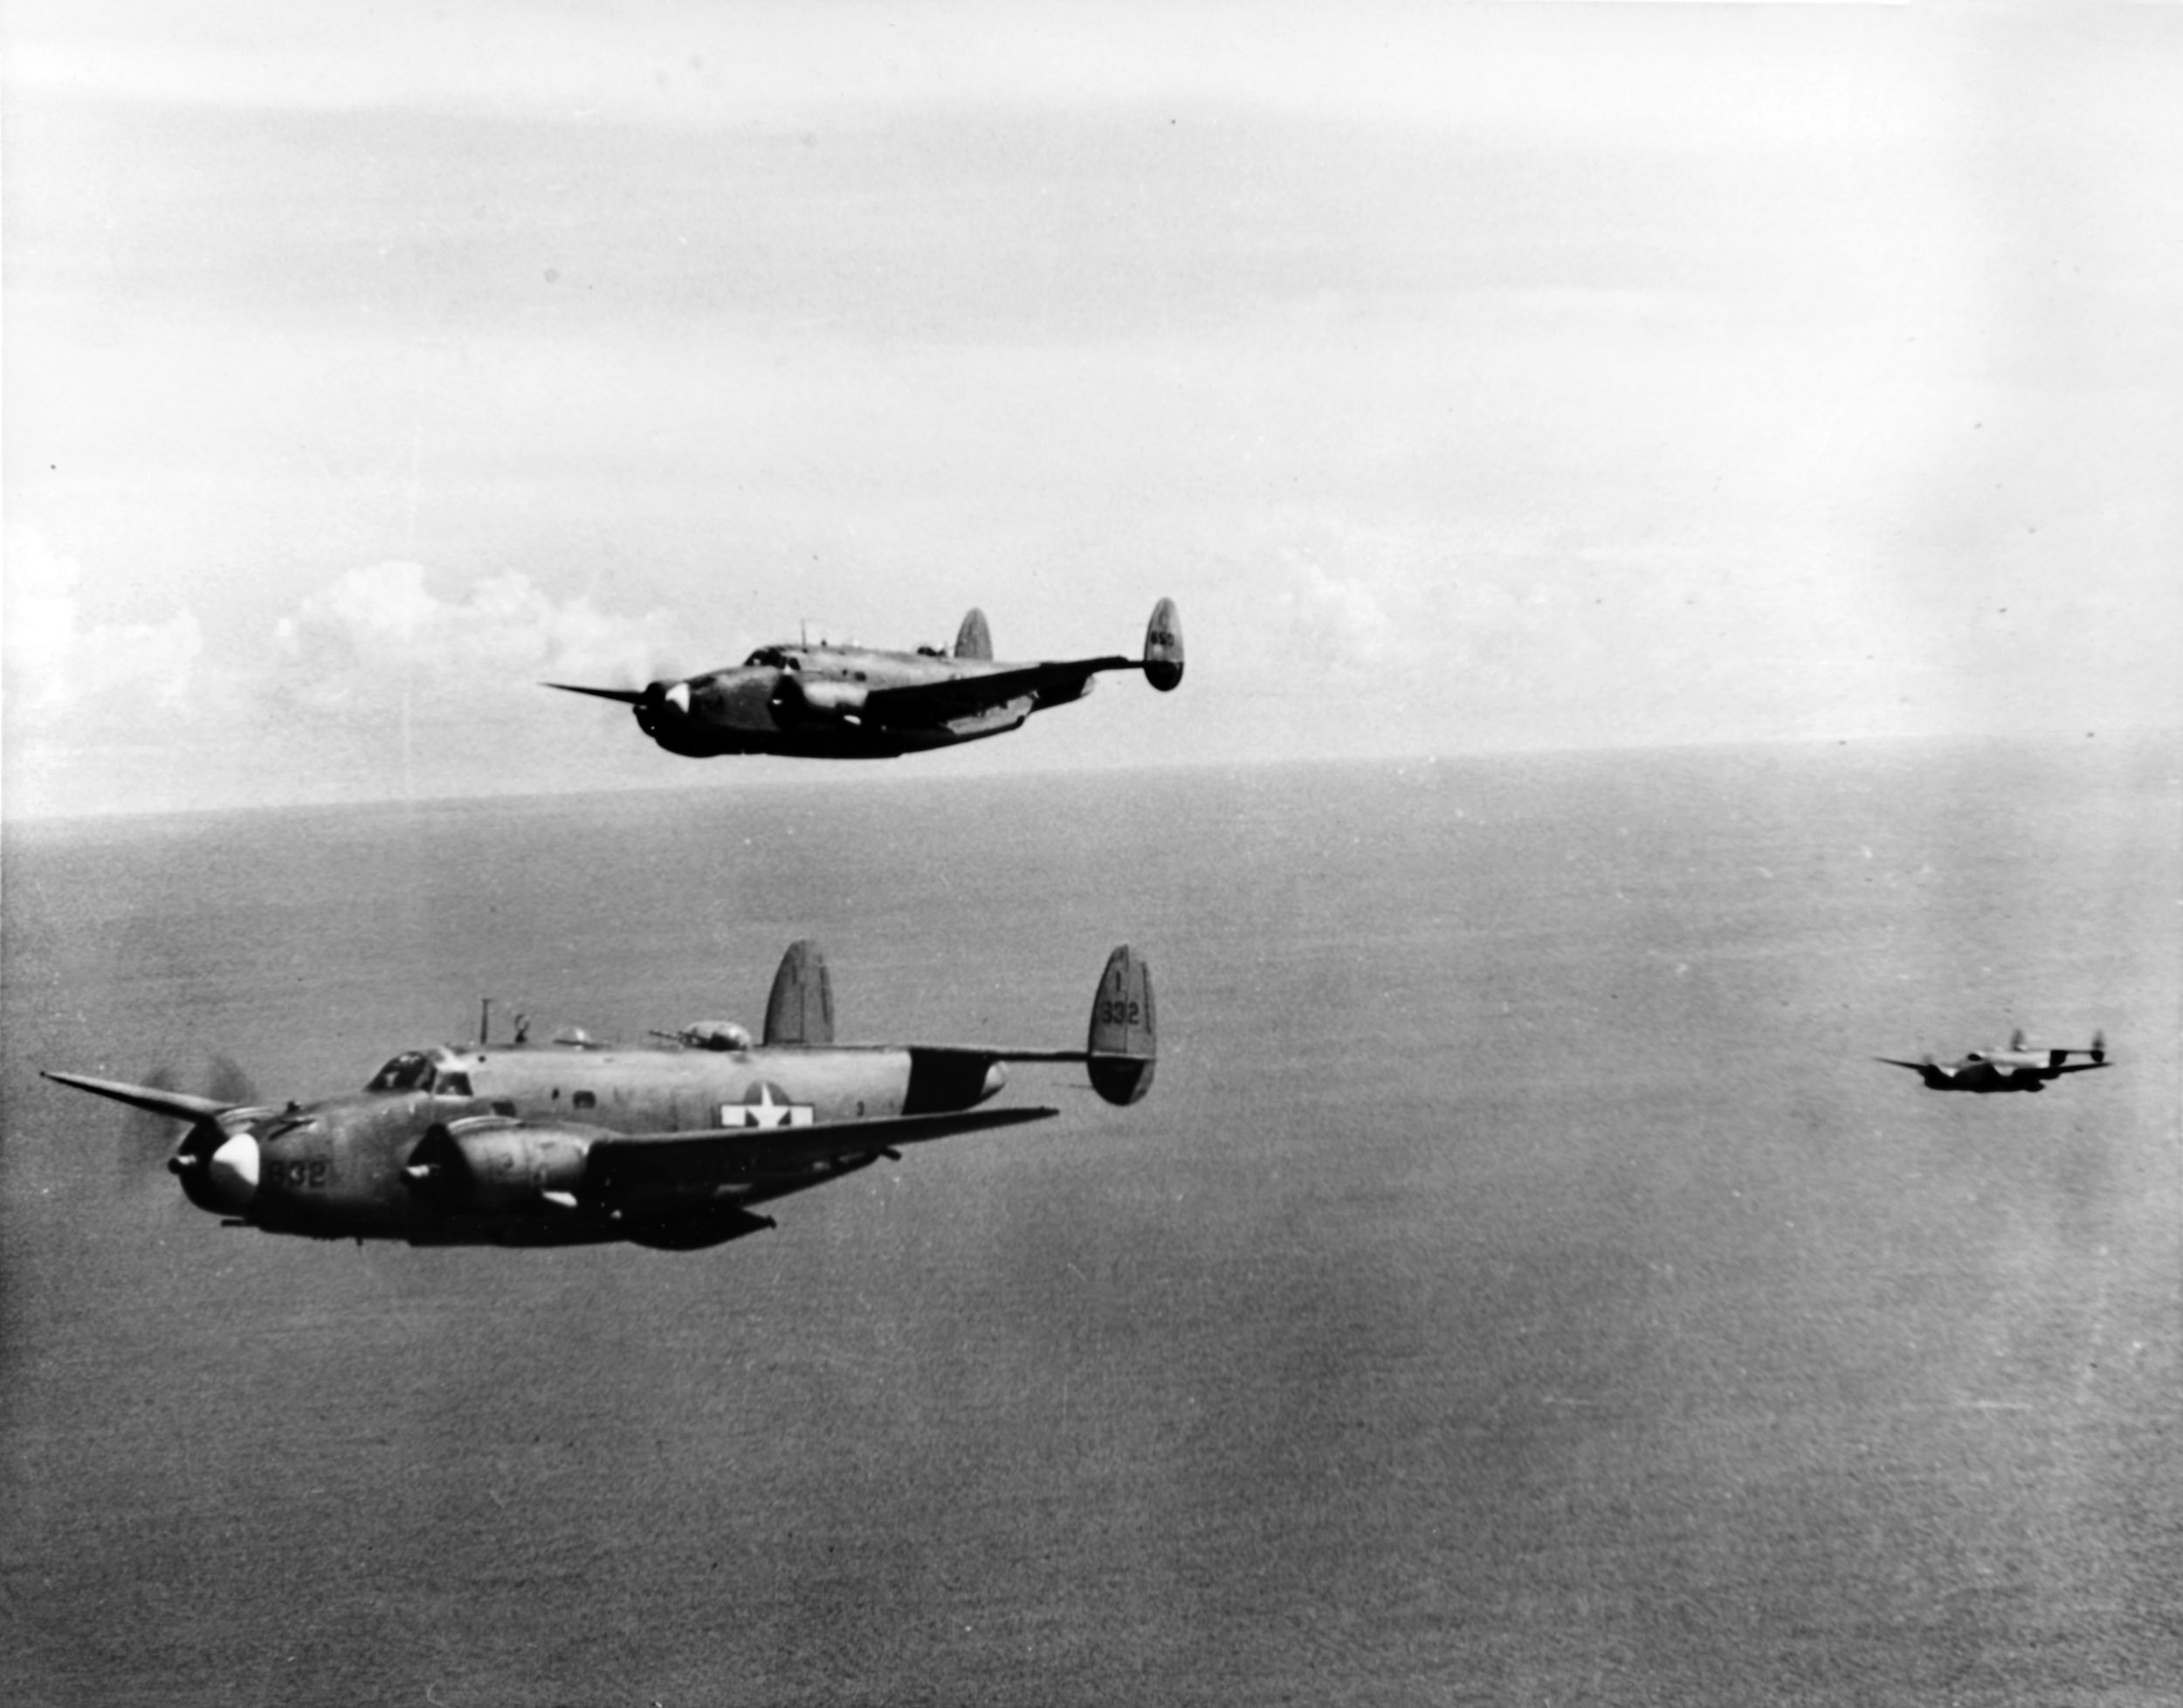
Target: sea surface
point(1521, 1286)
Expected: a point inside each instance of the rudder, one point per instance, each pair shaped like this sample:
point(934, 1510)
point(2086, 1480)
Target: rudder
point(1123, 1046)
point(801, 1009)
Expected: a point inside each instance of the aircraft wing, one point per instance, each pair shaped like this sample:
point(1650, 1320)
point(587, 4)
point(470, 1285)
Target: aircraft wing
point(773, 1155)
point(157, 1099)
point(623, 696)
point(1002, 1052)
point(921, 705)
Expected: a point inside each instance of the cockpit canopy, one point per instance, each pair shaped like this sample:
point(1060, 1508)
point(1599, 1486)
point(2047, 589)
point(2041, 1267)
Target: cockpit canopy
point(415, 1070)
point(771, 657)
point(410, 1071)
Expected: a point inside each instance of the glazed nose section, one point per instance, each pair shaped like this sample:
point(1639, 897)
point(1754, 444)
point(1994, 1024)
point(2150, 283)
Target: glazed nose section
point(231, 1174)
point(996, 1077)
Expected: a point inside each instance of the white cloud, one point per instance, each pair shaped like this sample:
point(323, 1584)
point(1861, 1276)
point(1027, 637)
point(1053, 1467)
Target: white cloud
point(1650, 73)
point(381, 639)
point(62, 670)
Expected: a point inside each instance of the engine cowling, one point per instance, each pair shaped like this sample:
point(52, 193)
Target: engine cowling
point(798, 700)
point(490, 1164)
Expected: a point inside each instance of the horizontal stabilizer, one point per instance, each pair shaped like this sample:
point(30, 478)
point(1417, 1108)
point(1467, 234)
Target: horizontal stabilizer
point(801, 1009)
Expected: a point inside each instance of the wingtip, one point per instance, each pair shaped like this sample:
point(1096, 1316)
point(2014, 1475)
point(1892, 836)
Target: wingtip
point(621, 696)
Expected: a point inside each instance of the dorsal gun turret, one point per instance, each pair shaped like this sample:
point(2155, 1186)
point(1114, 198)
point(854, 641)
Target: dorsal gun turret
point(709, 1035)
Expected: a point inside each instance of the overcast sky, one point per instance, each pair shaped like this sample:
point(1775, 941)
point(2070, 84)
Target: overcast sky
point(1474, 377)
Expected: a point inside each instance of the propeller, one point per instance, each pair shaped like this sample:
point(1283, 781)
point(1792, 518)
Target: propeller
point(226, 1080)
point(216, 1162)
point(143, 1139)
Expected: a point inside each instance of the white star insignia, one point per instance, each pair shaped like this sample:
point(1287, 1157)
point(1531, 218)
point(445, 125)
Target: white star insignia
point(765, 1112)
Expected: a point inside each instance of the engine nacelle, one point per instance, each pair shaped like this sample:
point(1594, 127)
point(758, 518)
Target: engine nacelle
point(490, 1164)
point(798, 700)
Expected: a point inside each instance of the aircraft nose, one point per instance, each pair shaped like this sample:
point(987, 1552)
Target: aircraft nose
point(660, 702)
point(231, 1173)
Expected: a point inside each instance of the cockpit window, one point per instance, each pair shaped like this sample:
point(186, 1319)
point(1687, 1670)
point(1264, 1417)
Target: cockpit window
point(452, 1084)
point(410, 1072)
point(771, 657)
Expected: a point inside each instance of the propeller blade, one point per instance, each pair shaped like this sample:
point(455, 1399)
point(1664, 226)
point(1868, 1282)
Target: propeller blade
point(624, 696)
point(227, 1081)
point(146, 1136)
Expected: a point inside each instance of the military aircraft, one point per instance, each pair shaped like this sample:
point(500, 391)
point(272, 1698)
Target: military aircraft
point(670, 1146)
point(825, 701)
point(2015, 1068)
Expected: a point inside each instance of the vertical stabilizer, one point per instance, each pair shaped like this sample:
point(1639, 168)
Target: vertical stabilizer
point(973, 639)
point(1163, 647)
point(801, 1009)
point(1124, 1040)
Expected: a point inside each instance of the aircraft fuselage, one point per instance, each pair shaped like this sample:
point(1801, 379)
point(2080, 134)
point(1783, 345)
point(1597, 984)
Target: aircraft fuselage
point(336, 1168)
point(1993, 1070)
point(813, 704)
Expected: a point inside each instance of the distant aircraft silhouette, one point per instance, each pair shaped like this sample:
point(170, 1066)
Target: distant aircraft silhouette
point(2015, 1068)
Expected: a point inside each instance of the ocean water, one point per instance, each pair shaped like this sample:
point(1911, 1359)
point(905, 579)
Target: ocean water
point(1520, 1286)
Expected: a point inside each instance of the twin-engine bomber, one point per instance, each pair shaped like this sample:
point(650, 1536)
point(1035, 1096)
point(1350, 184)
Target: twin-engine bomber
point(671, 1146)
point(825, 701)
point(2018, 1068)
